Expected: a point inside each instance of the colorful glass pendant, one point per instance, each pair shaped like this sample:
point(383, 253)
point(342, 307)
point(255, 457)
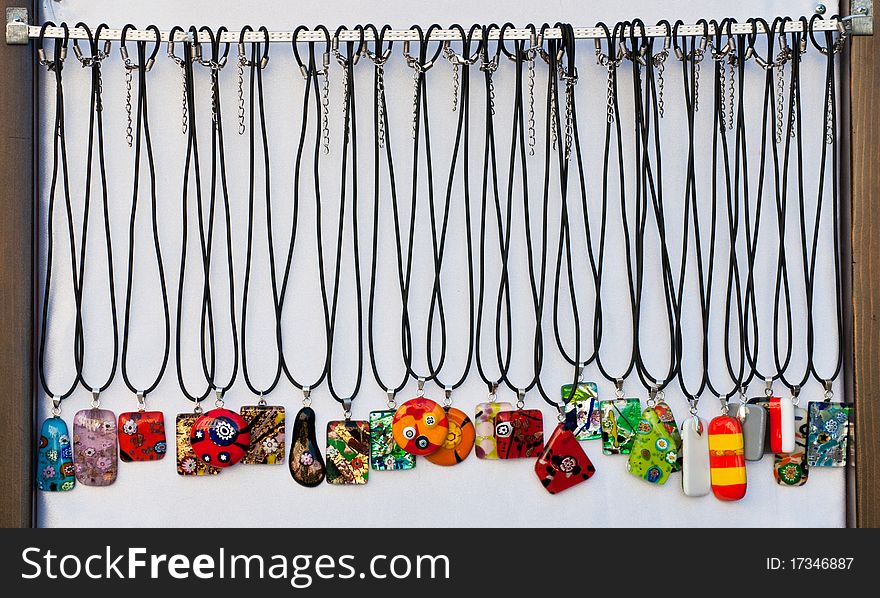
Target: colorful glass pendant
point(619, 420)
point(519, 433)
point(582, 415)
point(459, 439)
point(484, 427)
point(664, 412)
point(142, 436)
point(726, 460)
point(94, 447)
point(220, 437)
point(385, 453)
point(348, 452)
point(55, 468)
point(266, 424)
point(791, 469)
point(695, 477)
point(782, 428)
point(420, 426)
point(828, 434)
point(753, 421)
point(305, 461)
point(563, 463)
point(188, 463)
point(654, 452)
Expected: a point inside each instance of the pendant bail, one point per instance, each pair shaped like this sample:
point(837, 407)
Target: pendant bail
point(390, 402)
point(56, 406)
point(618, 388)
point(795, 395)
point(198, 409)
point(768, 387)
point(421, 390)
point(580, 371)
point(725, 407)
point(218, 401)
point(346, 407)
point(447, 398)
point(142, 401)
point(693, 402)
point(307, 396)
point(493, 392)
point(829, 394)
point(520, 398)
point(652, 396)
point(560, 417)
point(96, 398)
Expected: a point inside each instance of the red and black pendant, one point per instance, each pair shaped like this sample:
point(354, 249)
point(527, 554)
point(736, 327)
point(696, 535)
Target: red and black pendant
point(220, 437)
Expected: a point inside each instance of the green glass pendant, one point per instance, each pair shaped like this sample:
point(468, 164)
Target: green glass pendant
point(385, 453)
point(654, 452)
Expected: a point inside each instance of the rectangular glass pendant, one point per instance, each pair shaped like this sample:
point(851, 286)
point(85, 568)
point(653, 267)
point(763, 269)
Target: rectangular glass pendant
point(620, 417)
point(348, 452)
point(55, 468)
point(726, 460)
point(828, 434)
point(385, 453)
point(266, 424)
point(782, 427)
point(141, 436)
point(94, 447)
point(519, 433)
point(188, 464)
point(582, 415)
point(790, 469)
point(484, 425)
point(695, 477)
point(752, 417)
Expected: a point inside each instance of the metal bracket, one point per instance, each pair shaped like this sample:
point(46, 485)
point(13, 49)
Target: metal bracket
point(16, 26)
point(862, 12)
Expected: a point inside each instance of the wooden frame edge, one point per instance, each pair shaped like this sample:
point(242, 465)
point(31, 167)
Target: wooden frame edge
point(17, 244)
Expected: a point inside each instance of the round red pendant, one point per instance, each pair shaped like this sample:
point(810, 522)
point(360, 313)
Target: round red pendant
point(220, 437)
point(420, 426)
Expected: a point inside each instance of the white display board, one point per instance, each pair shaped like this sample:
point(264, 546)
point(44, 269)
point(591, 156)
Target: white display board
point(475, 493)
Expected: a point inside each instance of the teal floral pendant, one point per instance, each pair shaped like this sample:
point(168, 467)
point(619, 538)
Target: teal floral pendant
point(55, 469)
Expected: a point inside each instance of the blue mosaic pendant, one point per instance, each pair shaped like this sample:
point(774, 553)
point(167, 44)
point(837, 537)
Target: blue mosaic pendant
point(55, 469)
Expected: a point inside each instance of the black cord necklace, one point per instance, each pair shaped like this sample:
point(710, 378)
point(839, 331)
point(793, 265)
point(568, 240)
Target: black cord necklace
point(310, 74)
point(305, 461)
point(461, 434)
point(690, 57)
point(55, 468)
point(385, 453)
point(192, 168)
point(484, 420)
point(733, 300)
point(461, 145)
point(257, 63)
point(420, 65)
point(96, 129)
point(143, 141)
point(348, 440)
point(611, 60)
point(649, 183)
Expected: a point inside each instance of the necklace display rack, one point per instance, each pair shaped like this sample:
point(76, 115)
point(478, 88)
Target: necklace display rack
point(721, 231)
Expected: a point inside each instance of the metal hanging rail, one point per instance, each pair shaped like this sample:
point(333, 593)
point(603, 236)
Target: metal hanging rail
point(33, 31)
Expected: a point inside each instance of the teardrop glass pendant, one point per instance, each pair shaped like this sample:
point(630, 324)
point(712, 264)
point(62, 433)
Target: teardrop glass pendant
point(305, 460)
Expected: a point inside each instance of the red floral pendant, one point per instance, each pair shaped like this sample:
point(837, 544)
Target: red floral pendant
point(220, 437)
point(563, 463)
point(141, 436)
point(519, 433)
